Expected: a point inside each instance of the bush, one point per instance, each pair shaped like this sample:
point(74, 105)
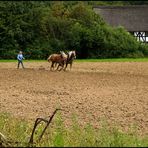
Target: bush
point(42, 28)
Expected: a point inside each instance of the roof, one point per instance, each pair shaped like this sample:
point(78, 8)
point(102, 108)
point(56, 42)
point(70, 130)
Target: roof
point(132, 18)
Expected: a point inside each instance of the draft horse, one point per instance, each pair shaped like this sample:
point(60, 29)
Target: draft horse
point(71, 55)
point(56, 58)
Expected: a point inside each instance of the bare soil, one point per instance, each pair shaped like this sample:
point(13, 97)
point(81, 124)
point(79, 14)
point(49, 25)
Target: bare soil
point(94, 91)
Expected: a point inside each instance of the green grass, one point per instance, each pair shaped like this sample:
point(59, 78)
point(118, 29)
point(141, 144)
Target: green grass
point(24, 60)
point(115, 60)
point(74, 136)
point(92, 60)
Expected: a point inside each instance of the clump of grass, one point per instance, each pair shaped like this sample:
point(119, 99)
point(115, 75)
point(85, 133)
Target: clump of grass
point(59, 136)
point(14, 129)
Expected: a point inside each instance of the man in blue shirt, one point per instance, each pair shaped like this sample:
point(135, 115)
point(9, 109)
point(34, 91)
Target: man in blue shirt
point(20, 59)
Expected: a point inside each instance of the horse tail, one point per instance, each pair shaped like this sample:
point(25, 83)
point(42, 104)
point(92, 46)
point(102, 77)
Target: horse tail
point(49, 58)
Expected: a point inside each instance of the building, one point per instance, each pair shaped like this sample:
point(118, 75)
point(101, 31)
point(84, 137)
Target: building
point(133, 18)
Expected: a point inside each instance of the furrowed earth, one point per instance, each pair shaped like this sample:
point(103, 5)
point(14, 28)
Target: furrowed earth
point(116, 92)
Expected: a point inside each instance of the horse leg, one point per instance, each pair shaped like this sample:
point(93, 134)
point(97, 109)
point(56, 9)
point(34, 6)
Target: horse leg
point(65, 66)
point(52, 66)
point(58, 67)
point(62, 65)
point(55, 65)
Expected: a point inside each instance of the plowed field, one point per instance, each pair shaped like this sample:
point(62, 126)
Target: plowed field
point(94, 91)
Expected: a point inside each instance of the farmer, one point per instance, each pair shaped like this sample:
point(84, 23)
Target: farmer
point(20, 59)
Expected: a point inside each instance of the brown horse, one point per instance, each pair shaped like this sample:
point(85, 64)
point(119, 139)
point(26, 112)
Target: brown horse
point(57, 58)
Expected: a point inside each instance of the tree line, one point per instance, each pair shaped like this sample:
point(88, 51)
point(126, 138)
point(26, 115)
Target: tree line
point(42, 28)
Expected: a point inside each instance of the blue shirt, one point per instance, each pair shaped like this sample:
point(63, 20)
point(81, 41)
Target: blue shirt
point(20, 57)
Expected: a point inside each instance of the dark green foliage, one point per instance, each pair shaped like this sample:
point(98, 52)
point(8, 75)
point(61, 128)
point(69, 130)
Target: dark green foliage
point(42, 28)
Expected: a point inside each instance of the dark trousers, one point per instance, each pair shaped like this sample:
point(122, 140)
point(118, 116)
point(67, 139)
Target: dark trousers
point(20, 62)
